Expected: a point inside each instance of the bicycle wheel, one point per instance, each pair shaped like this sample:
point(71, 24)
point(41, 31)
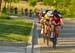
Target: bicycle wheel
point(44, 38)
point(54, 39)
point(47, 39)
point(54, 42)
point(48, 36)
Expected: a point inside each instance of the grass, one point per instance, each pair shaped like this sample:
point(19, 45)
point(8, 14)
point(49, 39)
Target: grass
point(14, 30)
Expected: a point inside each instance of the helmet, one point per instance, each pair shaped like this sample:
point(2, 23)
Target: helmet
point(56, 13)
point(59, 15)
point(49, 13)
point(43, 11)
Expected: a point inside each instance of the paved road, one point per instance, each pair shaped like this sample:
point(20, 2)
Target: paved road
point(66, 40)
point(5, 49)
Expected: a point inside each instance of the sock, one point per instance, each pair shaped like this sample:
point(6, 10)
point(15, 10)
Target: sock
point(51, 35)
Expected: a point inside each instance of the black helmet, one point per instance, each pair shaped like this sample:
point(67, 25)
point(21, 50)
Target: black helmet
point(47, 11)
point(56, 13)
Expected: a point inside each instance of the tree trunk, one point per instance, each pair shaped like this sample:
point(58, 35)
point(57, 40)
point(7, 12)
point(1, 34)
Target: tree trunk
point(5, 4)
point(0, 4)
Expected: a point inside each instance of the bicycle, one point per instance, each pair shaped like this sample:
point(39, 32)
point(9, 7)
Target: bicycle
point(42, 30)
point(47, 35)
point(54, 38)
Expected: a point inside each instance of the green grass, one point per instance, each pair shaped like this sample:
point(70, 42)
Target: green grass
point(14, 30)
point(4, 16)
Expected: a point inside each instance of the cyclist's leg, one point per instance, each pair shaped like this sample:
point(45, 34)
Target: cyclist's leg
point(52, 31)
point(57, 31)
point(45, 28)
point(41, 29)
point(53, 39)
point(44, 33)
point(53, 26)
point(48, 36)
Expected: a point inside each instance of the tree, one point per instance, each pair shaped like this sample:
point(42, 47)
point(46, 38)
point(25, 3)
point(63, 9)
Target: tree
point(10, 1)
point(0, 4)
point(6, 2)
point(48, 2)
point(72, 7)
point(32, 2)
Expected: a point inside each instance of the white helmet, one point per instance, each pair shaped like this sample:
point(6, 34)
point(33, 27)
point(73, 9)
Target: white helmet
point(59, 15)
point(44, 12)
point(49, 13)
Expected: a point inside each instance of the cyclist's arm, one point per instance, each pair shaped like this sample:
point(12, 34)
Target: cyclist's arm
point(40, 15)
point(61, 22)
point(42, 19)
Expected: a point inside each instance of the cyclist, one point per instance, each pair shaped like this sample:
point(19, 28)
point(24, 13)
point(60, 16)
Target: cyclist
point(45, 20)
point(56, 20)
point(48, 17)
point(41, 15)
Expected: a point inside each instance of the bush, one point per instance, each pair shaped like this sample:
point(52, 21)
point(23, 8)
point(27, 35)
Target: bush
point(4, 16)
point(4, 10)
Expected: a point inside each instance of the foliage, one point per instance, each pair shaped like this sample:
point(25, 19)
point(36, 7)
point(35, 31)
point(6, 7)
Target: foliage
point(4, 16)
point(66, 7)
point(32, 2)
point(12, 1)
point(47, 2)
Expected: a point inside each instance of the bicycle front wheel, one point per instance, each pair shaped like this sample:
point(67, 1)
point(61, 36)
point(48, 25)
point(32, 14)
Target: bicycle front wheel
point(54, 42)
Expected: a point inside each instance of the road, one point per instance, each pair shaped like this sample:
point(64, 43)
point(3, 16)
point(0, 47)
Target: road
point(66, 41)
point(6, 49)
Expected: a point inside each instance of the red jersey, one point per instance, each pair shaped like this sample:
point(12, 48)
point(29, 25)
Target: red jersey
point(56, 20)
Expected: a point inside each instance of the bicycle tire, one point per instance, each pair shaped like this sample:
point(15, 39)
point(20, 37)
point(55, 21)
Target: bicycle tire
point(54, 39)
point(54, 42)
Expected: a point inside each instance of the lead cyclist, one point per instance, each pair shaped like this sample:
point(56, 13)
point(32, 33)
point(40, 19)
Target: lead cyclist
point(58, 21)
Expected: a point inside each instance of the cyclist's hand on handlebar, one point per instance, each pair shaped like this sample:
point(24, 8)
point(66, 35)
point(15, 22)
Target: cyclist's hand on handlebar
point(55, 24)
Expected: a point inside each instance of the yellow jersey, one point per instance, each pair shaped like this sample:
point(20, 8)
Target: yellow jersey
point(46, 16)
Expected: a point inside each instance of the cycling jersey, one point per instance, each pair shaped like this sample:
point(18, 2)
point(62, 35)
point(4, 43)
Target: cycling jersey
point(56, 20)
point(46, 16)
